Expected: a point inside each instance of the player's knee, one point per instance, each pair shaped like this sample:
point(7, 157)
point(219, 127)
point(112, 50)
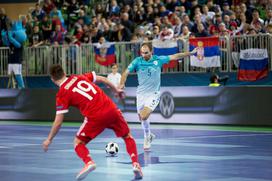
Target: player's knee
point(78, 141)
point(144, 116)
point(127, 136)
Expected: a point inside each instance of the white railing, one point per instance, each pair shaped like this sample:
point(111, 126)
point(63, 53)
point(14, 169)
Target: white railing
point(238, 43)
point(80, 59)
point(3, 60)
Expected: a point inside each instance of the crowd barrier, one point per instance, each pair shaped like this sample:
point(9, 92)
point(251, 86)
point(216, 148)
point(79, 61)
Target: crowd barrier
point(80, 59)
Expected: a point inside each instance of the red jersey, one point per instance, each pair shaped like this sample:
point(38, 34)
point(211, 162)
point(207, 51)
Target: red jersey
point(81, 92)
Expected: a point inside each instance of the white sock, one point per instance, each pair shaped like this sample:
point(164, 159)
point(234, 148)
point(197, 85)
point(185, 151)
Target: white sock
point(146, 127)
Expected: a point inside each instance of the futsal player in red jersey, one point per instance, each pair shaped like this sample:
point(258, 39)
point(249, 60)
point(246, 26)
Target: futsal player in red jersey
point(99, 111)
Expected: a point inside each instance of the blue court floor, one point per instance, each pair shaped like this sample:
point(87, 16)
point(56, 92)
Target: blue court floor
point(179, 153)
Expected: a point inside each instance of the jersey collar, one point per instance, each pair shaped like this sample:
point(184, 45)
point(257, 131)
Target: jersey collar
point(63, 81)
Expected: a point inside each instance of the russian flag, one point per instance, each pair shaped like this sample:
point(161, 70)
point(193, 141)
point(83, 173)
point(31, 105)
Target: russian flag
point(105, 54)
point(253, 64)
point(166, 47)
point(208, 53)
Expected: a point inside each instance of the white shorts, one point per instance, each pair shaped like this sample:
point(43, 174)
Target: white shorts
point(15, 68)
point(148, 100)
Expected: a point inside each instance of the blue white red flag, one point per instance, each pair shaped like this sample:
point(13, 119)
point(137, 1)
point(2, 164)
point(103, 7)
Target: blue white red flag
point(253, 64)
point(166, 47)
point(208, 54)
point(105, 54)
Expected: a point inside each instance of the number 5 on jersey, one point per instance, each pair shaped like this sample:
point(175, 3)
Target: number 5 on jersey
point(149, 72)
point(83, 87)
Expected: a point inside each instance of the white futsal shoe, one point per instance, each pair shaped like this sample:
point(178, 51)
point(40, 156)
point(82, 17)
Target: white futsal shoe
point(86, 170)
point(138, 174)
point(148, 140)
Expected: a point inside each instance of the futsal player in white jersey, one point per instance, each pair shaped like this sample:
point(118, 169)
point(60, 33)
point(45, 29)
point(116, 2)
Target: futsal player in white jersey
point(148, 68)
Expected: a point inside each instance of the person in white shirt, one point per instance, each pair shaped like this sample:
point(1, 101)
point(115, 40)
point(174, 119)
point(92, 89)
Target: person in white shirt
point(114, 77)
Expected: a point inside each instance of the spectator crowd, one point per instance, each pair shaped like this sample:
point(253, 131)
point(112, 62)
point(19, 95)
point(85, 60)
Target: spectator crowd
point(55, 22)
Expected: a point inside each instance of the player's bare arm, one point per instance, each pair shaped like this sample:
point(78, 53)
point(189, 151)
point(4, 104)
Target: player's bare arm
point(123, 79)
point(54, 130)
point(181, 55)
point(108, 83)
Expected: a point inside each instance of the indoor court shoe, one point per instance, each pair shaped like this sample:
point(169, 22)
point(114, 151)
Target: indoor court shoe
point(90, 166)
point(138, 174)
point(148, 140)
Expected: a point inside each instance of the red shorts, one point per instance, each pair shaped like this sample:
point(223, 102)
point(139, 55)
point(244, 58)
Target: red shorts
point(92, 127)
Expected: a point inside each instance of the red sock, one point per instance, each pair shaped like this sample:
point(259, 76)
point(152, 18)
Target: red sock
point(83, 153)
point(131, 149)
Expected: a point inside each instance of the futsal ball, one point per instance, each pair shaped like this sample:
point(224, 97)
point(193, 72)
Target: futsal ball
point(112, 149)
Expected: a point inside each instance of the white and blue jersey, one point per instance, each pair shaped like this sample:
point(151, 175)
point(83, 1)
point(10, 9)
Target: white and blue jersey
point(149, 80)
point(148, 72)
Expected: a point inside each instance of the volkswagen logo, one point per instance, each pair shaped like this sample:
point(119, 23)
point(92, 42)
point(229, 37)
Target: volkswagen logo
point(167, 105)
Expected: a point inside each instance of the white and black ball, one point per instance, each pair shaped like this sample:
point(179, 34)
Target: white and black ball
point(112, 149)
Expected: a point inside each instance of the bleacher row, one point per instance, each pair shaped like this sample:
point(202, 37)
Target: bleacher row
point(55, 22)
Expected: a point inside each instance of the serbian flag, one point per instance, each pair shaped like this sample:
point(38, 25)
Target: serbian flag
point(253, 64)
point(166, 47)
point(104, 54)
point(208, 54)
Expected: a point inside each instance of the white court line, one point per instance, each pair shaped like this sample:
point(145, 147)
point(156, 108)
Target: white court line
point(13, 145)
point(29, 137)
point(222, 136)
point(216, 158)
